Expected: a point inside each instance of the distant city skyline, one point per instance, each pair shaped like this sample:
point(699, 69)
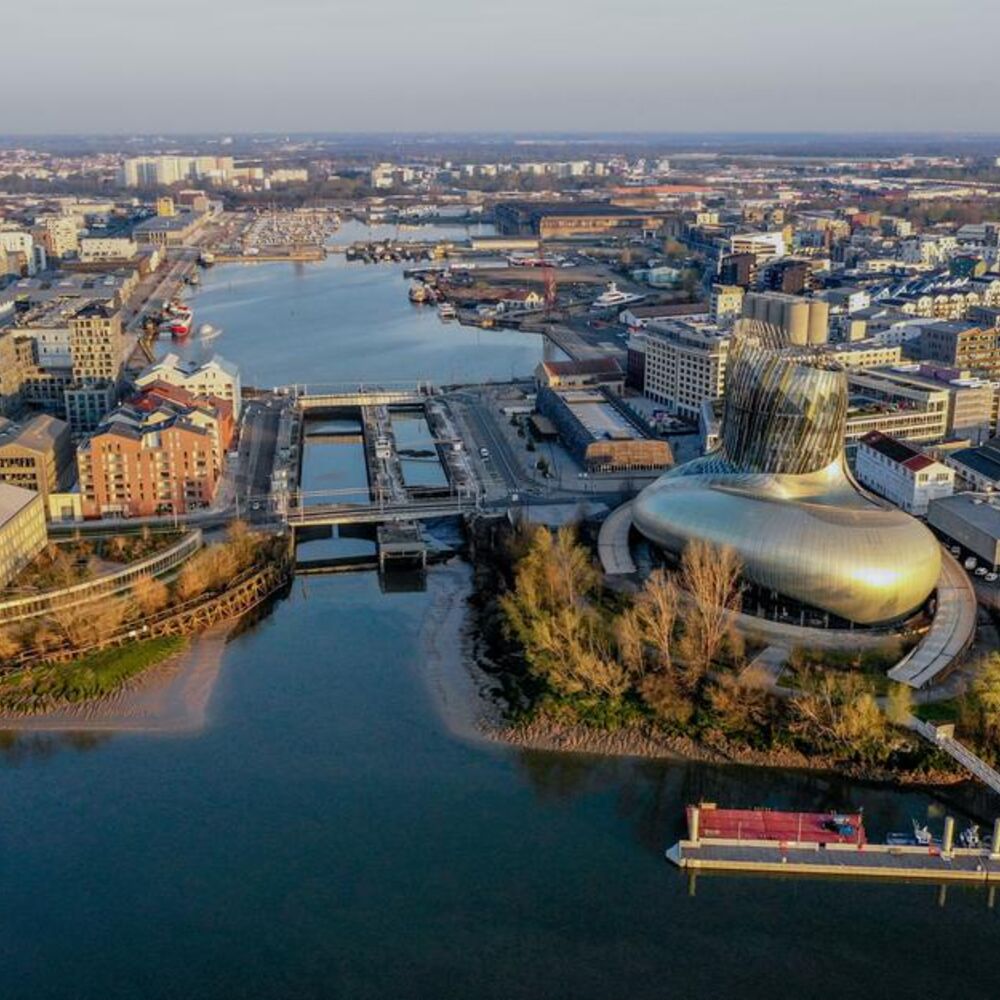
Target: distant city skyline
point(112, 66)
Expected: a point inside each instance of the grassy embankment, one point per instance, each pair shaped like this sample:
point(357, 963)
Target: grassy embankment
point(97, 675)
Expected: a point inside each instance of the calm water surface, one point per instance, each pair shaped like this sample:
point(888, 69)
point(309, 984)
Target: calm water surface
point(327, 836)
point(333, 321)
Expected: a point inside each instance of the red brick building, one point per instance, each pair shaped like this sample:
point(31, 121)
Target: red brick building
point(161, 452)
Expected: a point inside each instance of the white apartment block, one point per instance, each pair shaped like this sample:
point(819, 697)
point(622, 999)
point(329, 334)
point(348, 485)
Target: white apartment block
point(20, 243)
point(217, 377)
point(901, 474)
point(61, 234)
point(684, 366)
point(764, 246)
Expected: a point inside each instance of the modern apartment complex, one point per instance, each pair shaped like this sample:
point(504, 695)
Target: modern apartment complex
point(216, 377)
point(962, 345)
point(684, 365)
point(159, 453)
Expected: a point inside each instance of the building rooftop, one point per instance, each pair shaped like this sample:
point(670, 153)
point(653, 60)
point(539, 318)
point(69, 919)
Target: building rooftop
point(595, 366)
point(13, 500)
point(897, 451)
point(600, 418)
point(974, 510)
point(985, 459)
point(40, 433)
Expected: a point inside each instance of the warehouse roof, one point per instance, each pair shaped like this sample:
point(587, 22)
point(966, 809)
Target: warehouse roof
point(13, 500)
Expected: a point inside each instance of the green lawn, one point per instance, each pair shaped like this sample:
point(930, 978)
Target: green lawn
point(938, 711)
point(91, 676)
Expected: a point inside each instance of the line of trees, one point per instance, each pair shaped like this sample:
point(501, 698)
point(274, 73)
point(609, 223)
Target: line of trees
point(210, 570)
point(671, 657)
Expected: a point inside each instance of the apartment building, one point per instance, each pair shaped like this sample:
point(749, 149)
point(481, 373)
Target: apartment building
point(762, 246)
point(726, 304)
point(153, 455)
point(685, 364)
point(59, 236)
point(900, 473)
point(217, 378)
point(98, 347)
point(962, 345)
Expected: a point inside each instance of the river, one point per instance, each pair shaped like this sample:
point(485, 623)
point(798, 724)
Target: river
point(332, 834)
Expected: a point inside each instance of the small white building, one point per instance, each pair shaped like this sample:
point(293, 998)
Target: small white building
point(900, 473)
point(217, 377)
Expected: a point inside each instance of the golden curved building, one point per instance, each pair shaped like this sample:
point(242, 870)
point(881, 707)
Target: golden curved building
point(778, 491)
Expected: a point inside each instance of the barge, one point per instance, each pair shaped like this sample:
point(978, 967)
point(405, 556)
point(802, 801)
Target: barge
point(772, 842)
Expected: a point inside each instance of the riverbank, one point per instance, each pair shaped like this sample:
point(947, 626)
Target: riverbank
point(647, 742)
point(470, 703)
point(170, 697)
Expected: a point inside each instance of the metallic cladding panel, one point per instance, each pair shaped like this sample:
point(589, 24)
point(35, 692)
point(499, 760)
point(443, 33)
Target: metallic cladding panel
point(777, 492)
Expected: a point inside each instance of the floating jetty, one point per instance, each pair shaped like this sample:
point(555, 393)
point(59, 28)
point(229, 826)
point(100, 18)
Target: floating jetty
point(759, 841)
point(271, 255)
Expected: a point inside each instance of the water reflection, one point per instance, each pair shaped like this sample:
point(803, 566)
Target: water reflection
point(21, 746)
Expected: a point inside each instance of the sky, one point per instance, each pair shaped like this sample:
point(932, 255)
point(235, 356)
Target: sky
point(146, 66)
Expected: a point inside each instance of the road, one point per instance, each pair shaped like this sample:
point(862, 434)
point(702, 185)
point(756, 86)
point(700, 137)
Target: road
point(255, 461)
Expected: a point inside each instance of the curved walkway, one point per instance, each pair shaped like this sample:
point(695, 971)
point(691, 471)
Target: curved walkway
point(951, 632)
point(612, 542)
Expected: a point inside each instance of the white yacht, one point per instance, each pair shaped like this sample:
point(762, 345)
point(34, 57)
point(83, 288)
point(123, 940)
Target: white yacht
point(613, 297)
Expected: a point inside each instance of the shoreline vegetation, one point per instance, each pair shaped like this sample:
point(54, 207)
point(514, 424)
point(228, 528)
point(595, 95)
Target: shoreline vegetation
point(572, 667)
point(91, 666)
point(169, 693)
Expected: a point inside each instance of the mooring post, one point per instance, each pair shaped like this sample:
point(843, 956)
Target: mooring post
point(948, 840)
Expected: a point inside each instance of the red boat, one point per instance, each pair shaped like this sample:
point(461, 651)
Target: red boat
point(775, 824)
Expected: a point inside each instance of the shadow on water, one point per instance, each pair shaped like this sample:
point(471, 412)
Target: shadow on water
point(21, 747)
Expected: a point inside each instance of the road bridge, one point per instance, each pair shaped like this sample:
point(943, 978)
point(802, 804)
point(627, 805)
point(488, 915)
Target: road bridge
point(353, 396)
point(319, 515)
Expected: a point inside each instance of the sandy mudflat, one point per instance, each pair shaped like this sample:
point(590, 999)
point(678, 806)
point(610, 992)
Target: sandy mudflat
point(173, 696)
point(460, 690)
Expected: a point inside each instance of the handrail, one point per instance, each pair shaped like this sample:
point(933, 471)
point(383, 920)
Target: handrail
point(31, 606)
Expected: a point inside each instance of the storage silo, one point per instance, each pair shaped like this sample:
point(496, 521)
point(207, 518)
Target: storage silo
point(796, 321)
point(750, 305)
point(819, 321)
point(775, 310)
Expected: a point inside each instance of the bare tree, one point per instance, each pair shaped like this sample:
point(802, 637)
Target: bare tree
point(711, 577)
point(656, 608)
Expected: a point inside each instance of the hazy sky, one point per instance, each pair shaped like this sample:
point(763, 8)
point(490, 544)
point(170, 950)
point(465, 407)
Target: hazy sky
point(421, 65)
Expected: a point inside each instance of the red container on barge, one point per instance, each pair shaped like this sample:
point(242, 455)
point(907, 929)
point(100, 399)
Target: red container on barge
point(776, 824)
